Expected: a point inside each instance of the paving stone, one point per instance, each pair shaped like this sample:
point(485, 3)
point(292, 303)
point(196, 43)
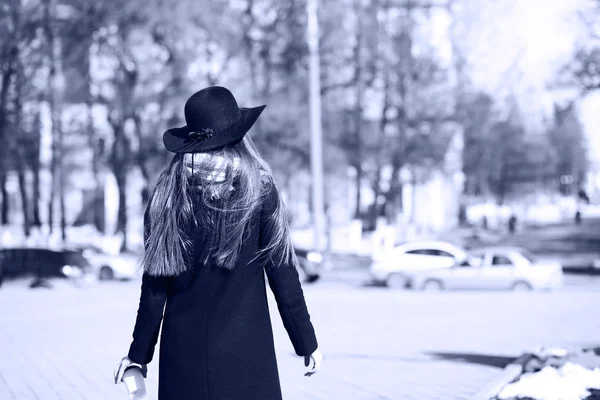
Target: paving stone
point(378, 344)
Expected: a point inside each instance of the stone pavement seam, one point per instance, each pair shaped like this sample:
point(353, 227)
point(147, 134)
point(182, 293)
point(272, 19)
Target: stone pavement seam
point(12, 395)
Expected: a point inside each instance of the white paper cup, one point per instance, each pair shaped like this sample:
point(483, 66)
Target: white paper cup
point(134, 383)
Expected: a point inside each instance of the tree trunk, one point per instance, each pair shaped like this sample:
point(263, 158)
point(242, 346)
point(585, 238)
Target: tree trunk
point(394, 193)
point(62, 183)
point(119, 162)
point(32, 160)
point(413, 198)
point(52, 187)
point(4, 156)
point(98, 212)
point(5, 206)
point(122, 221)
point(358, 196)
point(121, 153)
point(21, 171)
point(252, 64)
point(381, 142)
point(376, 193)
point(55, 117)
point(19, 149)
point(248, 44)
point(58, 129)
point(142, 159)
point(358, 107)
point(37, 221)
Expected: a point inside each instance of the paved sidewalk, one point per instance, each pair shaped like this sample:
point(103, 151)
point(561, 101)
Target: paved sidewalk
point(378, 344)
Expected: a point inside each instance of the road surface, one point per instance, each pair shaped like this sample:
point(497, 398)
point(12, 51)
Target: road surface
point(378, 343)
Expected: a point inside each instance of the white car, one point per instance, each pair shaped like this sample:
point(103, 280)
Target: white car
point(107, 267)
point(498, 268)
point(394, 266)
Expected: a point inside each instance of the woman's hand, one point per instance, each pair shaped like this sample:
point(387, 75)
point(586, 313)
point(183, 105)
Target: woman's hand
point(316, 357)
point(123, 365)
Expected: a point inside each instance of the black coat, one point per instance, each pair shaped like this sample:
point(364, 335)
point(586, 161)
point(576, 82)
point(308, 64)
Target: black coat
point(217, 339)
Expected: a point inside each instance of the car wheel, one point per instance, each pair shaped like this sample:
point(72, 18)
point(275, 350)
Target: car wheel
point(106, 274)
point(432, 285)
point(40, 283)
point(396, 281)
point(521, 287)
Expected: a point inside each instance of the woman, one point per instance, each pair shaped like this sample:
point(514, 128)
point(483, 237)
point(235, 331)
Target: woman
point(214, 224)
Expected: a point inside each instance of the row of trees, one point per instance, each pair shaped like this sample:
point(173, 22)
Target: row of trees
point(390, 99)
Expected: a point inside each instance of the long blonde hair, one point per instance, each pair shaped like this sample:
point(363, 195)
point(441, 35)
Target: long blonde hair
point(230, 185)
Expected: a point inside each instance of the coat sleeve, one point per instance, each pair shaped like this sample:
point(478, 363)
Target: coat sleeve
point(285, 285)
point(150, 312)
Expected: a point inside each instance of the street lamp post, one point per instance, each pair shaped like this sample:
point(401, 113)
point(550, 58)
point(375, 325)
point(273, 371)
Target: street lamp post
point(316, 129)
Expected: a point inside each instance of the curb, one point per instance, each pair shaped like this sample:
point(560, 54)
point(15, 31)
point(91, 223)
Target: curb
point(511, 372)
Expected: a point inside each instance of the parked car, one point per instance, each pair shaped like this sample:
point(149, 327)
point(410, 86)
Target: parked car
point(107, 267)
point(41, 263)
point(393, 267)
point(310, 264)
point(499, 268)
point(124, 266)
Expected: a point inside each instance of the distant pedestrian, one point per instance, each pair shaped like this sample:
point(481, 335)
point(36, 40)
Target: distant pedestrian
point(578, 217)
point(512, 224)
point(213, 225)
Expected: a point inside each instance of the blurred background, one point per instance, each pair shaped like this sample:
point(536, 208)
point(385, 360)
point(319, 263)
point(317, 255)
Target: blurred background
point(395, 128)
point(434, 114)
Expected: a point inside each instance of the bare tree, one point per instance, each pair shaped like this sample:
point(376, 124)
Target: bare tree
point(9, 52)
point(19, 144)
point(121, 110)
point(55, 102)
point(19, 64)
point(567, 140)
point(412, 75)
point(584, 70)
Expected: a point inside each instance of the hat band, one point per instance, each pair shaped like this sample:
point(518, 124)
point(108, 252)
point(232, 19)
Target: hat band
point(201, 136)
point(200, 133)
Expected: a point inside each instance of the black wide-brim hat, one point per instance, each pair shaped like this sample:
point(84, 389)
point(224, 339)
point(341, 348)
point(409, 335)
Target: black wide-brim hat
point(213, 120)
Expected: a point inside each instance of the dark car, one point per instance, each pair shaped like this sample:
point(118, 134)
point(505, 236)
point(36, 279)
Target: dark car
point(41, 263)
point(310, 264)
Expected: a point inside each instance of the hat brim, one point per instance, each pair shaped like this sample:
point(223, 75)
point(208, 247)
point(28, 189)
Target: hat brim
point(177, 140)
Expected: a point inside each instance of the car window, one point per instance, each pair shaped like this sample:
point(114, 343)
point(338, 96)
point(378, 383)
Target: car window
point(420, 252)
point(498, 260)
point(442, 253)
point(430, 252)
point(475, 261)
